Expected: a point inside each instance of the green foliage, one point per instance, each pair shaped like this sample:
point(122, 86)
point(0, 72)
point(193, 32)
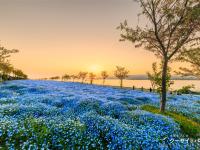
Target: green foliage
point(156, 78)
point(186, 89)
point(188, 126)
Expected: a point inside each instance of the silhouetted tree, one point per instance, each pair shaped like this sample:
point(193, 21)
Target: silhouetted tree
point(54, 78)
point(74, 77)
point(82, 76)
point(92, 76)
point(5, 66)
point(121, 73)
point(6, 53)
point(193, 57)
point(104, 76)
point(5, 69)
point(19, 74)
point(66, 77)
point(173, 26)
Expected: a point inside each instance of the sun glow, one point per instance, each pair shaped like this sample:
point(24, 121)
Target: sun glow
point(95, 68)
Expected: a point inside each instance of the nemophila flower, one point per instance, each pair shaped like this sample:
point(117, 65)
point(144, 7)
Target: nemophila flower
point(55, 115)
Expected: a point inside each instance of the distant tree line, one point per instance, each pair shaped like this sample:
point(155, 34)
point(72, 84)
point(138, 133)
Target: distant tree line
point(121, 73)
point(7, 70)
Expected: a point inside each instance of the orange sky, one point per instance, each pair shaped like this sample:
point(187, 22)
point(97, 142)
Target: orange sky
point(68, 36)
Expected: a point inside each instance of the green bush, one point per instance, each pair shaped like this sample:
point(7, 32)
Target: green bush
point(186, 89)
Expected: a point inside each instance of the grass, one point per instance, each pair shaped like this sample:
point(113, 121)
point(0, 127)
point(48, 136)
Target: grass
point(187, 125)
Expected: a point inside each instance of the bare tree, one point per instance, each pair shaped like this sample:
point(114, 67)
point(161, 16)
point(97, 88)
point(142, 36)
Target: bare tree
point(121, 73)
point(92, 76)
point(104, 76)
point(173, 26)
point(82, 76)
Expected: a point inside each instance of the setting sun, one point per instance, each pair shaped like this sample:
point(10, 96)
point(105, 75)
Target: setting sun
point(95, 68)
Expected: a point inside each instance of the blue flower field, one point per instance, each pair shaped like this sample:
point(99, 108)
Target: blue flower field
point(65, 115)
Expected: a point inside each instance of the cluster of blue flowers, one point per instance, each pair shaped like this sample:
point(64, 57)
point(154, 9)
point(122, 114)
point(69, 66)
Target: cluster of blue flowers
point(56, 115)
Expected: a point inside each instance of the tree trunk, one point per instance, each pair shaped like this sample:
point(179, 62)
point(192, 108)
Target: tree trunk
point(121, 83)
point(164, 87)
point(103, 81)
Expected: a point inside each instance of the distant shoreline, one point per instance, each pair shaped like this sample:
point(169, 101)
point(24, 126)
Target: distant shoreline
point(148, 79)
point(193, 92)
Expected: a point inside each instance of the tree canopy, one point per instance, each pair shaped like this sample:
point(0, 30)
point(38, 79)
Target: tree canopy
point(6, 68)
point(121, 73)
point(172, 27)
point(191, 56)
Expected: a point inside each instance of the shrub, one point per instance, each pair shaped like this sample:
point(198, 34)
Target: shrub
point(186, 89)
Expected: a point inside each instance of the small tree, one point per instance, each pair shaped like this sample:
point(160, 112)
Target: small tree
point(92, 76)
point(173, 26)
point(121, 73)
point(104, 76)
point(66, 77)
point(74, 77)
point(156, 78)
point(82, 76)
point(54, 78)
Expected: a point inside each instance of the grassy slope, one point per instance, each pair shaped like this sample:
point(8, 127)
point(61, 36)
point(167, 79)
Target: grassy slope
point(188, 126)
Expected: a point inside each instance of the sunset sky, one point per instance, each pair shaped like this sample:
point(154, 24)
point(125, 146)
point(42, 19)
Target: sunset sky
point(67, 36)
